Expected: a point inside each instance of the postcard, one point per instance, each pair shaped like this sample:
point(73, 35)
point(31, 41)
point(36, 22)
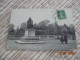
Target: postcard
point(40, 29)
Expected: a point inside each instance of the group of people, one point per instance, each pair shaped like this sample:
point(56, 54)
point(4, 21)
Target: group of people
point(63, 38)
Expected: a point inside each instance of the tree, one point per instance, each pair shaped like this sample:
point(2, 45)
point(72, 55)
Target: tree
point(23, 25)
point(17, 32)
point(11, 27)
point(21, 32)
point(11, 30)
point(36, 26)
point(56, 28)
point(72, 29)
point(44, 23)
point(64, 29)
point(50, 29)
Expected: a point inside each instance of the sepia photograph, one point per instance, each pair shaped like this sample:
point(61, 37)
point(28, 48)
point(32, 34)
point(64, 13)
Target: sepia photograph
point(39, 29)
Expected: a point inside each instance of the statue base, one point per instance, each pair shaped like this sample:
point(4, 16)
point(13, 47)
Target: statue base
point(30, 38)
point(30, 35)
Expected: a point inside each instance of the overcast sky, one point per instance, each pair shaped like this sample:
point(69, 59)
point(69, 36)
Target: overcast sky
point(22, 15)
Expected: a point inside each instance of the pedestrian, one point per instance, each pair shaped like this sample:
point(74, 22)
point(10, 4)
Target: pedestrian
point(65, 38)
point(61, 39)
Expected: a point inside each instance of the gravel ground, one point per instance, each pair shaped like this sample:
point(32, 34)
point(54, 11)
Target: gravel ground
point(48, 45)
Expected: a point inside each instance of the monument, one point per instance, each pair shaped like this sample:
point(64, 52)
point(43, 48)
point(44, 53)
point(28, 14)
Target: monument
point(29, 36)
point(30, 31)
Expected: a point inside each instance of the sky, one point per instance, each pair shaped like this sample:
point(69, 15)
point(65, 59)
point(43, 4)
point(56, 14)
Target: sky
point(19, 16)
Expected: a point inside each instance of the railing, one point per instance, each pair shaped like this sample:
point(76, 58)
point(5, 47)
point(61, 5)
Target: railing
point(56, 37)
point(45, 37)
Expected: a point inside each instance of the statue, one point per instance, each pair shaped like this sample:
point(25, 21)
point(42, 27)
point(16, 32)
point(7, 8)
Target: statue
point(29, 23)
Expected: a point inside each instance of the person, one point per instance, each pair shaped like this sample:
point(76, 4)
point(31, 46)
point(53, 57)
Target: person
point(65, 39)
point(61, 39)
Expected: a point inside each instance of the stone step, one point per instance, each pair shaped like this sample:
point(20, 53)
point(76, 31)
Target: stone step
point(30, 38)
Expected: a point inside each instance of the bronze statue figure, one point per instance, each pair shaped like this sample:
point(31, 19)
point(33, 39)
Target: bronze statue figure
point(29, 23)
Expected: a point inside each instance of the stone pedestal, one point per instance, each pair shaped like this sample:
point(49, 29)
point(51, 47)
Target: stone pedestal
point(30, 35)
point(29, 32)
